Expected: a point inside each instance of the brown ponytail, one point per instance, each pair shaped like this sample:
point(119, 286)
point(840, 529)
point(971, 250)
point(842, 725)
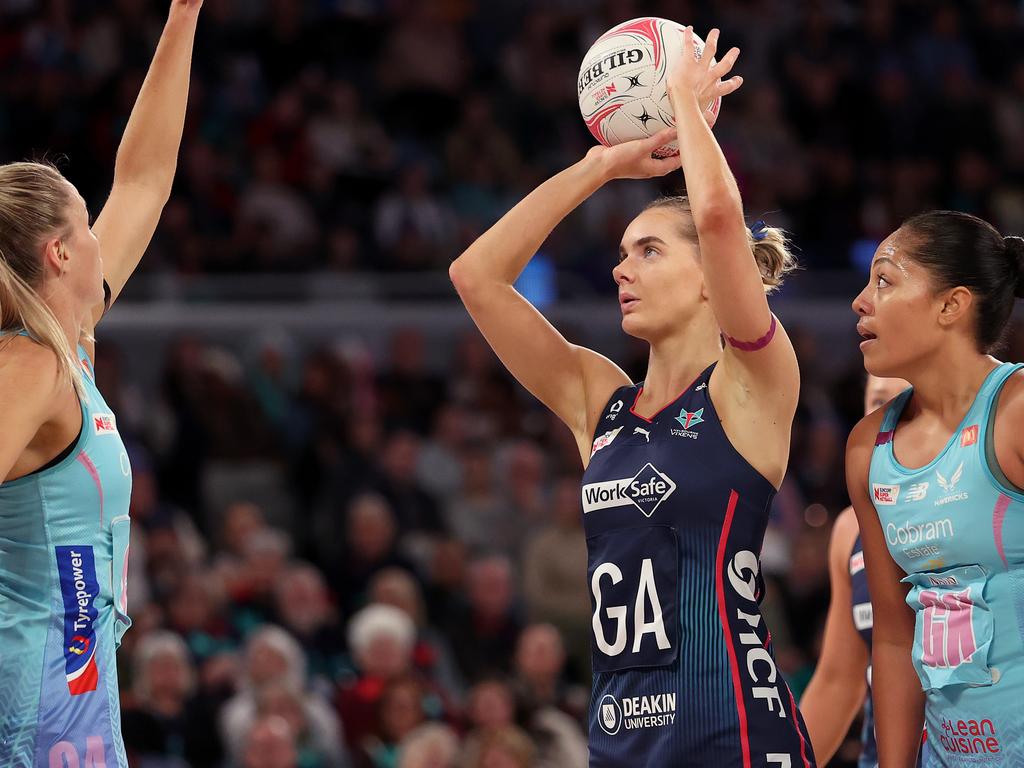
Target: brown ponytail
point(34, 202)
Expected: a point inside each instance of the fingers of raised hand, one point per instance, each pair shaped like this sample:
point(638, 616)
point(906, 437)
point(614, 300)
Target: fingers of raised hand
point(723, 67)
point(725, 87)
point(711, 46)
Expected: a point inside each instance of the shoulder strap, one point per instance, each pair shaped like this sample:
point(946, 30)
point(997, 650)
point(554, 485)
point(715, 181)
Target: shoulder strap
point(892, 416)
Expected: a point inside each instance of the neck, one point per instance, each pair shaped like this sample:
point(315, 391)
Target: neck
point(677, 360)
point(68, 316)
point(947, 391)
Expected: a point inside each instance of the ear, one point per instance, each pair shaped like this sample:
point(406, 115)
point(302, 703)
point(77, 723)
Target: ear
point(956, 306)
point(54, 255)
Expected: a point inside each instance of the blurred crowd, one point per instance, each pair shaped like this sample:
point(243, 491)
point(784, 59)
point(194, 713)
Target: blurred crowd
point(384, 135)
point(342, 559)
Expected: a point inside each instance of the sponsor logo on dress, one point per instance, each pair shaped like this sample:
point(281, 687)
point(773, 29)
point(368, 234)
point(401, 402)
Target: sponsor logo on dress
point(605, 439)
point(688, 420)
point(863, 616)
point(885, 495)
point(917, 492)
point(969, 436)
point(104, 423)
point(79, 589)
point(742, 573)
point(641, 431)
point(910, 533)
point(949, 486)
point(636, 713)
point(856, 563)
point(613, 412)
point(969, 737)
point(646, 490)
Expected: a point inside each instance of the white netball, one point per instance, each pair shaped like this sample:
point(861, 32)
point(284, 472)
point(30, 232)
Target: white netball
point(621, 86)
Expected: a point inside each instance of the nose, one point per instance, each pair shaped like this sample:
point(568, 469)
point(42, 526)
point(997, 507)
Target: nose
point(621, 272)
point(860, 303)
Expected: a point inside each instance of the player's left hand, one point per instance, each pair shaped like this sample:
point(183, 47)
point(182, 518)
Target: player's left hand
point(697, 75)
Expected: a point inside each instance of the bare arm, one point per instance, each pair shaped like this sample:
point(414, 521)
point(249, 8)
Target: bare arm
point(836, 691)
point(733, 280)
point(896, 689)
point(572, 381)
point(148, 153)
point(30, 390)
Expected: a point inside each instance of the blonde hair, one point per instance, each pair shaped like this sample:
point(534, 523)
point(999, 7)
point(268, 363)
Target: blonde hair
point(770, 249)
point(34, 203)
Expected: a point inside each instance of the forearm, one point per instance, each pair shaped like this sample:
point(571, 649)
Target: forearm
point(899, 704)
point(501, 253)
point(710, 185)
point(148, 153)
point(829, 706)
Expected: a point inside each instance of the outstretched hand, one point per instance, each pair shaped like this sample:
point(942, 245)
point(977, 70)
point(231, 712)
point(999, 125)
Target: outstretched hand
point(697, 75)
point(634, 159)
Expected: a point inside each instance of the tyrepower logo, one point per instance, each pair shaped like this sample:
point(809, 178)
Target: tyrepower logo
point(645, 491)
point(79, 588)
point(636, 713)
point(885, 494)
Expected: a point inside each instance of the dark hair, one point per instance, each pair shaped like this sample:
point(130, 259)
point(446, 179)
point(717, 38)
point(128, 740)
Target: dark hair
point(961, 249)
point(770, 249)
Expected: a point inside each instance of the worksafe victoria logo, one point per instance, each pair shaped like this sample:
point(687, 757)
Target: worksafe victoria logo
point(645, 491)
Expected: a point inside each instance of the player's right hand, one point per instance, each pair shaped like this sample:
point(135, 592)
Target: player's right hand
point(634, 159)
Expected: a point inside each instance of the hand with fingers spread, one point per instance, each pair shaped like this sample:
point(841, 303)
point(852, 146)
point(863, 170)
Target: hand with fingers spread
point(634, 159)
point(696, 75)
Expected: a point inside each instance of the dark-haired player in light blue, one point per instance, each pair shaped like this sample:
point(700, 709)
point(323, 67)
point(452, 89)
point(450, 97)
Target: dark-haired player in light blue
point(937, 482)
point(681, 469)
point(65, 480)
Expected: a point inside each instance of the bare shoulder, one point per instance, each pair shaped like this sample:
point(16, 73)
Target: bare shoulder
point(1011, 398)
point(844, 532)
point(28, 369)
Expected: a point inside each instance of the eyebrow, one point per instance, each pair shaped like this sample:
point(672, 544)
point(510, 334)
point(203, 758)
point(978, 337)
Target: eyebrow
point(880, 259)
point(642, 241)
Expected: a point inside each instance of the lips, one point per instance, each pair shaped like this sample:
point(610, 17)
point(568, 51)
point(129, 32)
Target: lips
point(866, 334)
point(627, 301)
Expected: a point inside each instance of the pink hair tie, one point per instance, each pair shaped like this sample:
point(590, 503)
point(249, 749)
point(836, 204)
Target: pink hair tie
point(753, 346)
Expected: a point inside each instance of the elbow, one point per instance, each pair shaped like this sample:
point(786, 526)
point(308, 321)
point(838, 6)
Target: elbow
point(457, 274)
point(723, 210)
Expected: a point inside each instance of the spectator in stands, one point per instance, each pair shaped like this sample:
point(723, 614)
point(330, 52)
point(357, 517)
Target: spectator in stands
point(483, 631)
point(168, 724)
point(274, 678)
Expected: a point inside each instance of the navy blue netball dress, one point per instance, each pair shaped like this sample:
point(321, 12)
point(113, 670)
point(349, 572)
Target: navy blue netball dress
point(684, 673)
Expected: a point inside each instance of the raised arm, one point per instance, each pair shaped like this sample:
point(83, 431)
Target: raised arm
point(761, 360)
point(896, 689)
point(836, 691)
point(148, 153)
point(574, 382)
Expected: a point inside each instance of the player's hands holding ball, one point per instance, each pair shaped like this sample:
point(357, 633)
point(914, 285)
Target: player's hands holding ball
point(697, 79)
point(635, 159)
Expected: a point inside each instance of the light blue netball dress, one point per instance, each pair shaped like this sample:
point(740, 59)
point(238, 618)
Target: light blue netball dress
point(63, 571)
point(956, 527)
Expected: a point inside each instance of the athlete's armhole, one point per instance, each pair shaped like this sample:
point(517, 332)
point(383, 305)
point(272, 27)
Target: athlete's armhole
point(107, 295)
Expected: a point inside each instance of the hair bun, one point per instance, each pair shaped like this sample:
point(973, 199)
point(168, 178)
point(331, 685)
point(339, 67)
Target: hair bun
point(1015, 250)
